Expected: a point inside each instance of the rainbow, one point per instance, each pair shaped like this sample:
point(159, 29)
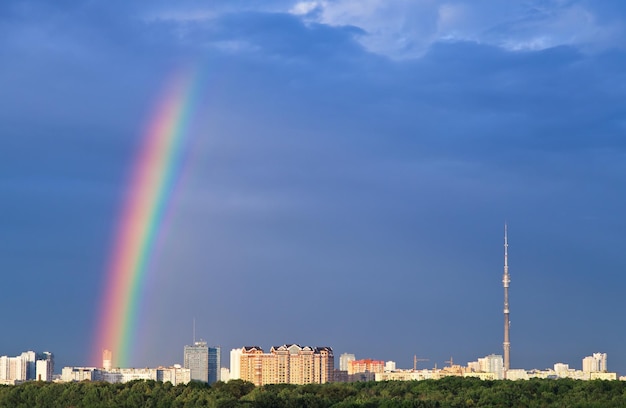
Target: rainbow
point(153, 178)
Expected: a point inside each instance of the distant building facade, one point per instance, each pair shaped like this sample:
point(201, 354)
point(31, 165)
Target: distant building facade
point(29, 358)
point(214, 364)
point(107, 359)
point(44, 366)
point(344, 359)
point(196, 359)
point(235, 362)
point(596, 363)
point(286, 364)
point(203, 361)
point(492, 363)
point(366, 366)
point(175, 374)
point(71, 374)
point(26, 367)
point(224, 374)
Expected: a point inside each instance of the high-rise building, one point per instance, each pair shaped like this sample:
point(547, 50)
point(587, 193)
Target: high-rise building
point(289, 363)
point(214, 364)
point(42, 370)
point(196, 358)
point(29, 358)
point(27, 366)
point(601, 359)
point(235, 362)
point(4, 368)
point(344, 359)
point(251, 365)
point(45, 366)
point(492, 363)
point(596, 363)
point(589, 364)
point(18, 368)
point(106, 360)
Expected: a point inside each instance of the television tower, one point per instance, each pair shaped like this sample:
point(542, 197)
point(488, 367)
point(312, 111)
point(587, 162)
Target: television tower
point(506, 280)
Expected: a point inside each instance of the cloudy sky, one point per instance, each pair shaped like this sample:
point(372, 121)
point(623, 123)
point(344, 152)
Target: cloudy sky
point(350, 168)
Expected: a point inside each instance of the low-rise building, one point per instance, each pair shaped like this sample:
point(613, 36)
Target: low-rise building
point(176, 374)
point(404, 375)
point(70, 374)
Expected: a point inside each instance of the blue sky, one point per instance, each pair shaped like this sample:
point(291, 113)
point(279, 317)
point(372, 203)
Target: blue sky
point(351, 168)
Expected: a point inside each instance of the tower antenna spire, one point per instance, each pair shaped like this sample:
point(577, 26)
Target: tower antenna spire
point(194, 330)
point(506, 280)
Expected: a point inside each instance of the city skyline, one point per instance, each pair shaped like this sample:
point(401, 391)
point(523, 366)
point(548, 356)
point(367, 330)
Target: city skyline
point(345, 167)
point(289, 363)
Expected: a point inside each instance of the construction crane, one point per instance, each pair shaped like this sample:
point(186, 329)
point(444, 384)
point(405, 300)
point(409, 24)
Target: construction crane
point(415, 360)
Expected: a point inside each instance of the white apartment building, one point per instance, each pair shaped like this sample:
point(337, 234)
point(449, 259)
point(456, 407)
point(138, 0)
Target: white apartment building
point(175, 374)
point(403, 375)
point(344, 361)
point(24, 367)
point(43, 370)
point(18, 368)
point(596, 363)
point(492, 363)
point(390, 366)
point(224, 374)
point(235, 361)
point(70, 374)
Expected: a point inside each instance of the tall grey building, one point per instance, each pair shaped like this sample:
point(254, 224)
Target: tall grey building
point(197, 360)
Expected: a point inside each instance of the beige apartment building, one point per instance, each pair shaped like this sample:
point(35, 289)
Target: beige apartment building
point(287, 364)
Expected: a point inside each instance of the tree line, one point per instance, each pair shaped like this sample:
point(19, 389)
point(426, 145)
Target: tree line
point(452, 392)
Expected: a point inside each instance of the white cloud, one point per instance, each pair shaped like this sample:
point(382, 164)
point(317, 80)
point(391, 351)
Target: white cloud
point(406, 28)
point(550, 27)
point(304, 7)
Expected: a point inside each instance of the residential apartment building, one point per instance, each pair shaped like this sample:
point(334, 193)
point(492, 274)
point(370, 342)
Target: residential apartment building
point(175, 374)
point(235, 362)
point(286, 364)
point(27, 366)
point(595, 363)
point(366, 366)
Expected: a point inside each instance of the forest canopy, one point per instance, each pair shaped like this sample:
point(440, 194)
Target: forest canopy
point(447, 392)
